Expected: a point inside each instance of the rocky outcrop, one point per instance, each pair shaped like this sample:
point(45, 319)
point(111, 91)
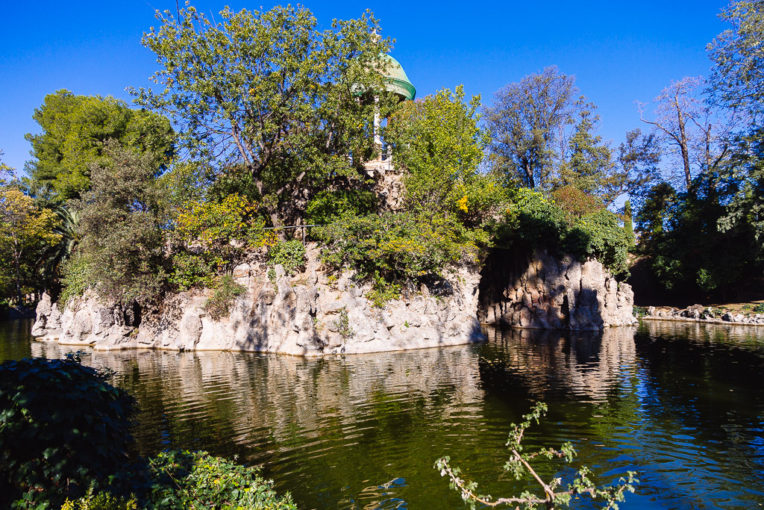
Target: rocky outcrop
point(700, 313)
point(546, 292)
point(313, 314)
point(305, 314)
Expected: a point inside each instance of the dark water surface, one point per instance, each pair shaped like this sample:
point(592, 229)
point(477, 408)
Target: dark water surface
point(681, 403)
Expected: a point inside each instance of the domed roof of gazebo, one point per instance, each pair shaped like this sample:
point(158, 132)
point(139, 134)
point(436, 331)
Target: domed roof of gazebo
point(397, 81)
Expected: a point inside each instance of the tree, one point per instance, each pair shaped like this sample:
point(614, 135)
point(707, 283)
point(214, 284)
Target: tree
point(26, 232)
point(74, 131)
point(638, 158)
point(438, 142)
point(121, 226)
point(269, 91)
point(737, 80)
point(7, 175)
point(525, 122)
point(587, 162)
point(690, 128)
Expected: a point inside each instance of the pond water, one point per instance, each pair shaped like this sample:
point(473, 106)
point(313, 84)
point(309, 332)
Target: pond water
point(681, 403)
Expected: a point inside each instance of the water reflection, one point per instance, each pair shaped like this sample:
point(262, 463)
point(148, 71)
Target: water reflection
point(679, 402)
point(587, 366)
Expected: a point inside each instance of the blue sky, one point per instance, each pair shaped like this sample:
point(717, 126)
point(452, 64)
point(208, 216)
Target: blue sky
point(619, 52)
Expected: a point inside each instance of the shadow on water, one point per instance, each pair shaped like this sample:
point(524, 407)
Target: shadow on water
point(680, 404)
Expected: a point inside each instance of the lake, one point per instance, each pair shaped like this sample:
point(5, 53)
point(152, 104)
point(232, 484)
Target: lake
point(681, 403)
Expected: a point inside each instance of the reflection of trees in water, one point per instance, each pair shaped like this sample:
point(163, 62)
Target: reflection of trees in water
point(14, 339)
point(708, 378)
point(738, 334)
point(701, 388)
point(587, 364)
point(210, 397)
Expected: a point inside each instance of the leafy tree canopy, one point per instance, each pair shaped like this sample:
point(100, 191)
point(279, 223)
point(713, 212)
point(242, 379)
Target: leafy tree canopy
point(121, 226)
point(269, 91)
point(525, 122)
point(738, 54)
point(26, 233)
point(438, 142)
point(74, 131)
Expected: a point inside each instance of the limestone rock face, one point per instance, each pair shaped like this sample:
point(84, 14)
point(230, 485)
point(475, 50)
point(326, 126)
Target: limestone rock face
point(304, 314)
point(313, 314)
point(48, 317)
point(84, 321)
point(545, 292)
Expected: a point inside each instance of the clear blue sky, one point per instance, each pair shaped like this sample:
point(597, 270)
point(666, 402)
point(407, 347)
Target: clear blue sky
point(618, 51)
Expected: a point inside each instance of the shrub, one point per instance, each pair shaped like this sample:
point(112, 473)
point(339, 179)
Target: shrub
point(122, 222)
point(576, 203)
point(290, 254)
point(533, 222)
point(600, 235)
point(199, 480)
point(223, 230)
point(189, 270)
point(328, 206)
point(397, 248)
point(62, 428)
point(223, 295)
point(76, 278)
point(100, 501)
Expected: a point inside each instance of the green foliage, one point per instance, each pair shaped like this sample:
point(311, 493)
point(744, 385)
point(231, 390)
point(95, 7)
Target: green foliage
point(75, 278)
point(186, 181)
point(382, 292)
point(438, 141)
point(75, 130)
point(328, 206)
point(212, 237)
point(520, 465)
point(175, 480)
point(121, 227)
point(100, 501)
point(343, 325)
point(738, 73)
point(638, 158)
point(588, 163)
point(575, 202)
point(525, 123)
point(223, 295)
point(199, 480)
point(290, 254)
point(600, 235)
point(693, 250)
point(533, 222)
point(241, 84)
point(397, 248)
point(64, 440)
point(190, 270)
point(26, 234)
point(62, 428)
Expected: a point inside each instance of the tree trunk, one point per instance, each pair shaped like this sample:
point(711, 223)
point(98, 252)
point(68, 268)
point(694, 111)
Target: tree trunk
point(683, 147)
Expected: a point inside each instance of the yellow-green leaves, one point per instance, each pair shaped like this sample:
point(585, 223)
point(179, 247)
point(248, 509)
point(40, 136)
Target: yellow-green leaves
point(26, 232)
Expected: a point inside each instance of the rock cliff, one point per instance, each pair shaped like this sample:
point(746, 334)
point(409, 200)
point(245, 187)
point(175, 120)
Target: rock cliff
point(312, 314)
point(545, 292)
point(306, 314)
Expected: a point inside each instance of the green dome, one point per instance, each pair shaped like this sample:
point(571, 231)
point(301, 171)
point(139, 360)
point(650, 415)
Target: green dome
point(397, 81)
